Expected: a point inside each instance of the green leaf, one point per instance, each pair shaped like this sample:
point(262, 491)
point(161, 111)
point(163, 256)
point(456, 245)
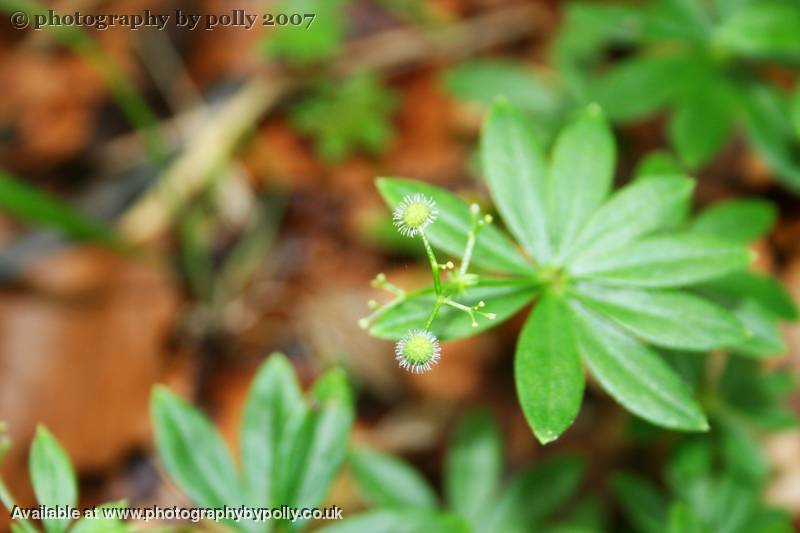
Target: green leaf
point(483, 81)
point(658, 163)
point(765, 111)
point(666, 318)
point(389, 482)
point(493, 250)
point(308, 44)
point(31, 205)
point(622, 219)
point(665, 261)
point(400, 521)
point(763, 29)
point(641, 502)
point(534, 493)
point(547, 369)
point(679, 20)
point(503, 297)
point(473, 466)
point(796, 111)
point(740, 220)
point(192, 451)
point(765, 338)
point(581, 173)
point(635, 376)
point(683, 520)
point(517, 177)
point(52, 476)
point(320, 445)
point(274, 409)
point(700, 124)
point(638, 87)
point(745, 284)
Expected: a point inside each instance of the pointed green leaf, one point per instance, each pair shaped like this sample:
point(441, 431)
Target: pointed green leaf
point(534, 493)
point(666, 318)
point(665, 261)
point(493, 250)
point(192, 451)
point(745, 284)
point(635, 376)
point(700, 125)
point(320, 445)
point(641, 502)
point(31, 205)
point(658, 163)
point(52, 476)
point(765, 337)
point(502, 297)
point(389, 482)
point(622, 218)
point(766, 29)
point(741, 220)
point(516, 175)
point(547, 369)
point(581, 173)
point(473, 466)
point(638, 87)
point(274, 409)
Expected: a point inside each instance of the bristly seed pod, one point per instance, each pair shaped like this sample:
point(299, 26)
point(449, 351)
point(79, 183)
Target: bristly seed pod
point(415, 213)
point(418, 351)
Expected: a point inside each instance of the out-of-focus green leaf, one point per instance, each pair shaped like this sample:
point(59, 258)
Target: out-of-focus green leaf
point(53, 477)
point(635, 376)
point(388, 482)
point(638, 87)
point(745, 284)
point(683, 520)
point(547, 369)
point(308, 43)
point(700, 124)
point(680, 20)
point(503, 297)
point(533, 494)
point(483, 81)
point(320, 445)
point(192, 451)
point(742, 452)
point(765, 29)
point(796, 111)
point(666, 318)
point(347, 116)
point(740, 220)
point(766, 116)
point(658, 163)
point(31, 205)
point(274, 409)
point(665, 261)
point(765, 338)
point(473, 466)
point(581, 173)
point(101, 523)
point(643, 505)
point(516, 173)
point(400, 521)
point(621, 219)
point(493, 249)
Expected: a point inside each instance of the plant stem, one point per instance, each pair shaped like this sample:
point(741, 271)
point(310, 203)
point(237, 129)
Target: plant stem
point(434, 312)
point(468, 250)
point(437, 281)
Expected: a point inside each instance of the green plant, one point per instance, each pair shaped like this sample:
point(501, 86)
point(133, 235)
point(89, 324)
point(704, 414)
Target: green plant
point(346, 116)
point(706, 494)
point(291, 445)
point(317, 42)
point(607, 274)
point(475, 499)
point(703, 62)
point(56, 487)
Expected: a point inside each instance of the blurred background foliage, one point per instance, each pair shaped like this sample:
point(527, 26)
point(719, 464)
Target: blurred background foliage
point(175, 205)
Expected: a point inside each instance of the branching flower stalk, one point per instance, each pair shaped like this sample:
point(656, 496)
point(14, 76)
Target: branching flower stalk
point(419, 350)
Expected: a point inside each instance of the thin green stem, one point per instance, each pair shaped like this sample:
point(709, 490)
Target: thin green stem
point(437, 281)
point(434, 312)
point(467, 252)
point(9, 503)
